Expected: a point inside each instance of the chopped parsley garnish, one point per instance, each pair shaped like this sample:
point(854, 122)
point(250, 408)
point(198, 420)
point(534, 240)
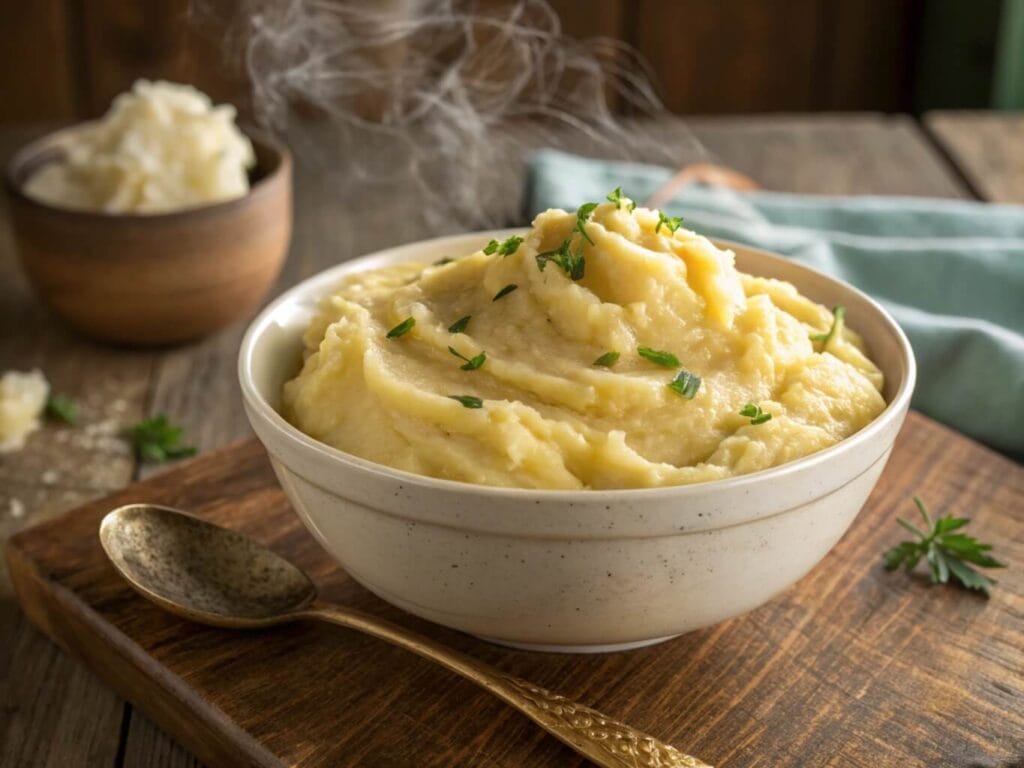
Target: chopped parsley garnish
point(471, 363)
point(402, 328)
point(615, 196)
point(504, 248)
point(838, 318)
point(582, 214)
point(442, 262)
point(62, 408)
point(157, 439)
point(571, 263)
point(505, 291)
point(459, 326)
point(685, 384)
point(671, 223)
point(468, 401)
point(608, 359)
point(667, 359)
point(755, 414)
point(947, 553)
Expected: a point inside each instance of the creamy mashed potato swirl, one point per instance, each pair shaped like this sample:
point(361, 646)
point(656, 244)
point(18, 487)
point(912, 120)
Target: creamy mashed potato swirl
point(161, 147)
point(550, 418)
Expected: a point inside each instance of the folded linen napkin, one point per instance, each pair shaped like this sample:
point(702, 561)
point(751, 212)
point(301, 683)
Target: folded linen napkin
point(951, 272)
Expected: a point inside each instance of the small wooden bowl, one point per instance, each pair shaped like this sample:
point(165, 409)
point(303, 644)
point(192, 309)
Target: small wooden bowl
point(156, 278)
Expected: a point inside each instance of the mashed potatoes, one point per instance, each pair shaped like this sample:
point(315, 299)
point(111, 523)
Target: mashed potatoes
point(22, 400)
point(637, 357)
point(161, 147)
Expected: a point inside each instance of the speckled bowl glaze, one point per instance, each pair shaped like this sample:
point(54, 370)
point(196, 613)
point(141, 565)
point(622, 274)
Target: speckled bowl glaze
point(562, 570)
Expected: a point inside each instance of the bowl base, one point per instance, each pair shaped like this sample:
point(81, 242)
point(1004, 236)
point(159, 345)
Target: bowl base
point(609, 648)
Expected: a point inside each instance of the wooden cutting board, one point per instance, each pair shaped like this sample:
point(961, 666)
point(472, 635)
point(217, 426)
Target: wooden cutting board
point(851, 667)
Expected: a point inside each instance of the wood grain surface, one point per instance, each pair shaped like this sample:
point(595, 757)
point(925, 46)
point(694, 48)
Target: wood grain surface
point(55, 711)
point(987, 148)
point(852, 666)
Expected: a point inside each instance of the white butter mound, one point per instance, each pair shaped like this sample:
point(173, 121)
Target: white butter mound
point(160, 147)
point(22, 400)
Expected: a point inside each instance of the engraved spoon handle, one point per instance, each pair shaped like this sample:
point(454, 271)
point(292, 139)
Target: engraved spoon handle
point(606, 742)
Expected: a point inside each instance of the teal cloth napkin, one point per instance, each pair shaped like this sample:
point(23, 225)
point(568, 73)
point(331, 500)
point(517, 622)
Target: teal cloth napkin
point(951, 272)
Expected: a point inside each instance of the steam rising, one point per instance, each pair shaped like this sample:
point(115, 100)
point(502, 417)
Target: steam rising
point(440, 100)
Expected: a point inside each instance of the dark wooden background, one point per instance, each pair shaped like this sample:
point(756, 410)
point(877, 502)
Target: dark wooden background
point(66, 59)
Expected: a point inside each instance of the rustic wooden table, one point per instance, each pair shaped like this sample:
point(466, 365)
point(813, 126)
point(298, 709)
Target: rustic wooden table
point(54, 711)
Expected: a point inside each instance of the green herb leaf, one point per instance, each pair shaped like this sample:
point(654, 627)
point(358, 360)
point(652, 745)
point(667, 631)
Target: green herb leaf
point(608, 359)
point(666, 359)
point(468, 401)
point(62, 408)
point(156, 439)
point(616, 196)
point(505, 291)
point(505, 248)
point(685, 384)
point(947, 553)
point(838, 318)
point(671, 223)
point(755, 414)
point(582, 214)
point(471, 363)
point(402, 328)
point(459, 326)
point(573, 264)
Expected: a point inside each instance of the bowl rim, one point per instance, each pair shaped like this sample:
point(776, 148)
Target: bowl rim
point(257, 405)
point(51, 140)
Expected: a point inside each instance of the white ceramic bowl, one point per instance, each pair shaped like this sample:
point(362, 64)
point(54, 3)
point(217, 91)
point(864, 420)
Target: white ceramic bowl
point(566, 570)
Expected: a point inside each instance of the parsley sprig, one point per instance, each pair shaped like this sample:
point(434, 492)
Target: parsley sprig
point(505, 248)
point(607, 360)
point(753, 412)
point(467, 401)
point(472, 363)
point(947, 553)
point(671, 223)
point(62, 408)
point(402, 328)
point(505, 291)
point(838, 319)
point(685, 384)
point(658, 357)
point(572, 263)
point(582, 215)
point(616, 196)
point(157, 439)
point(459, 326)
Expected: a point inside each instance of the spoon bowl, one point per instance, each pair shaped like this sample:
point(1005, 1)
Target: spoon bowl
point(201, 571)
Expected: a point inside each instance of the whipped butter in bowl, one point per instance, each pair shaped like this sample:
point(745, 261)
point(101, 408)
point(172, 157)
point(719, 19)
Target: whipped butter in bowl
point(158, 223)
point(161, 147)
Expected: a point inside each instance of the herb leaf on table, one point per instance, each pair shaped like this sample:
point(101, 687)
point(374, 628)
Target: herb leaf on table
point(157, 439)
point(946, 553)
point(62, 408)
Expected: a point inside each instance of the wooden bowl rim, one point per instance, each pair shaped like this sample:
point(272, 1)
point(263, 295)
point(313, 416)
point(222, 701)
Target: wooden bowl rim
point(34, 150)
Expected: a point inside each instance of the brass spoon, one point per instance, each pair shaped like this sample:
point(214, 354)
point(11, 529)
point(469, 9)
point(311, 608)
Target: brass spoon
point(211, 575)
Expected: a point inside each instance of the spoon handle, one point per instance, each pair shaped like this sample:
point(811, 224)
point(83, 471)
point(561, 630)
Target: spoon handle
point(606, 742)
